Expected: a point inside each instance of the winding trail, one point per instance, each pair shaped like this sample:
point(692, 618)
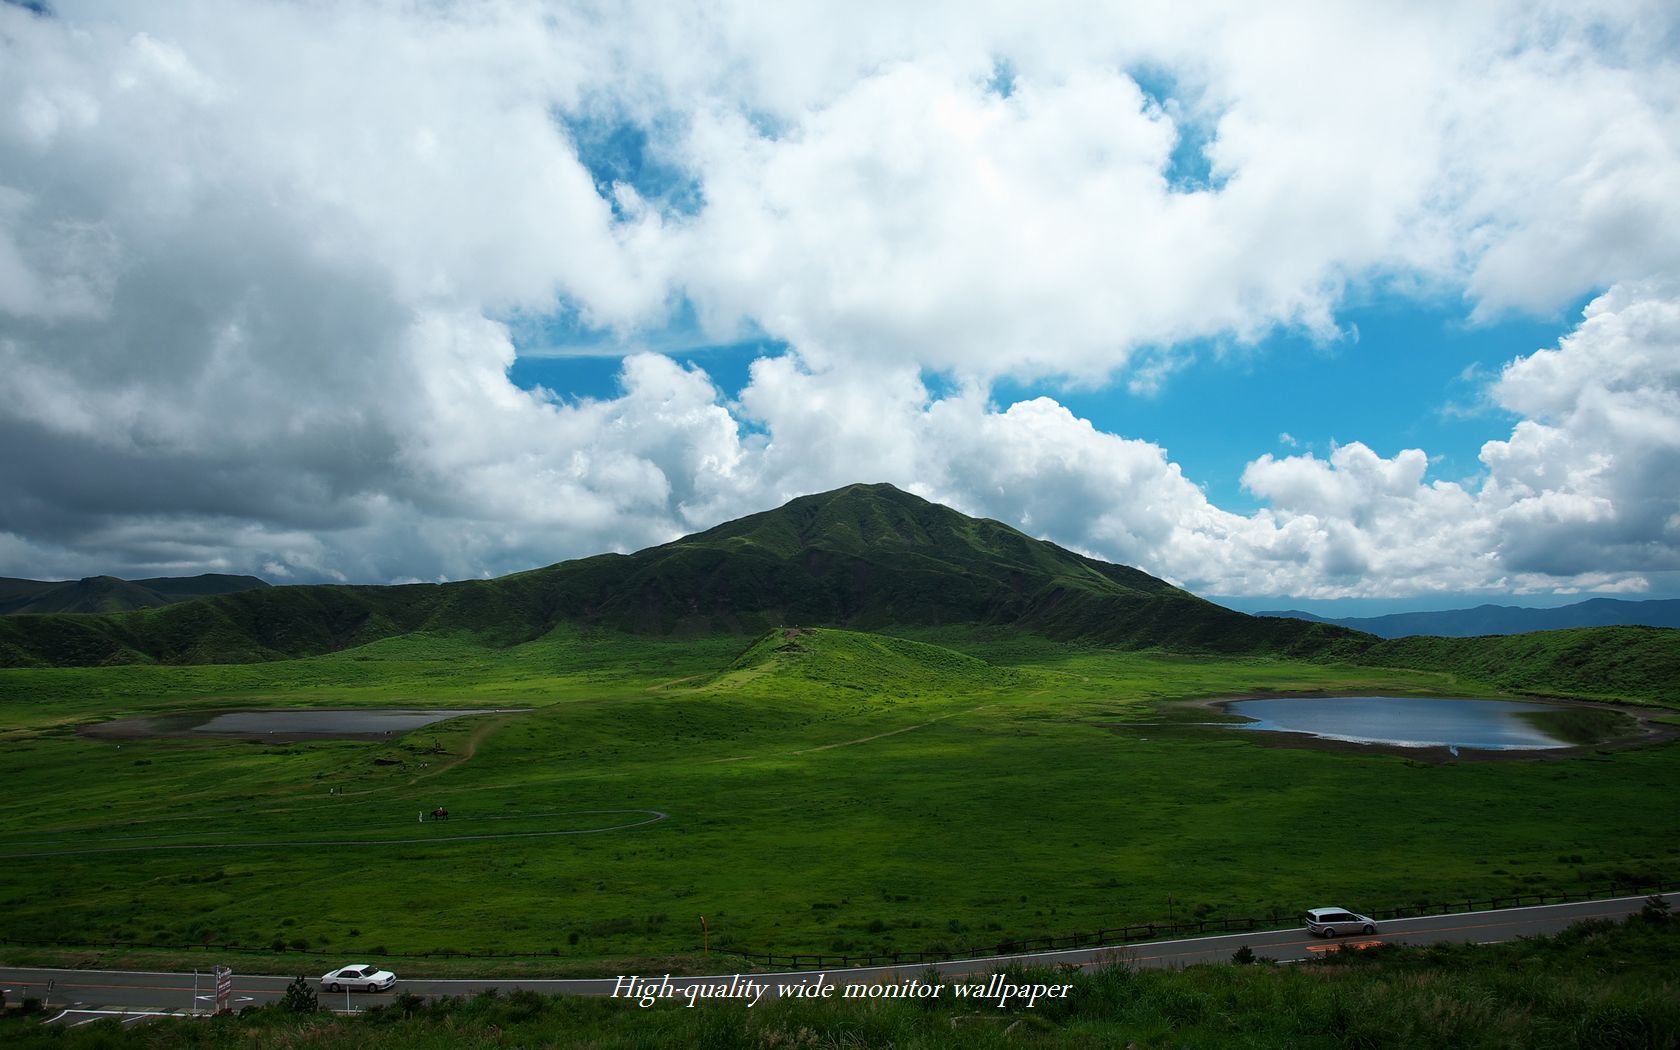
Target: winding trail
point(849, 743)
point(469, 749)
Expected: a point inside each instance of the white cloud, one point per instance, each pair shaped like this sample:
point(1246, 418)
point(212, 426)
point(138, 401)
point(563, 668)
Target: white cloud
point(253, 258)
point(1585, 495)
point(1592, 475)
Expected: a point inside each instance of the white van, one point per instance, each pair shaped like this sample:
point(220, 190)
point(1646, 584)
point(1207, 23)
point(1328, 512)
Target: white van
point(1328, 922)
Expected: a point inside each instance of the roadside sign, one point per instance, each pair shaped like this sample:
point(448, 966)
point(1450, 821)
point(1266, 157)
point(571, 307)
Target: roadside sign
point(224, 988)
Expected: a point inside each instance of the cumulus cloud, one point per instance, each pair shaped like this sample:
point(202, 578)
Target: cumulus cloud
point(1591, 476)
point(258, 262)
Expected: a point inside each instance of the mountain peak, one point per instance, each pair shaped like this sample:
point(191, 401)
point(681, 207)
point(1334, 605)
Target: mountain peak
point(865, 557)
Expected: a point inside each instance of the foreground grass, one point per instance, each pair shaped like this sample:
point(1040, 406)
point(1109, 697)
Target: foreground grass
point(826, 793)
point(1594, 986)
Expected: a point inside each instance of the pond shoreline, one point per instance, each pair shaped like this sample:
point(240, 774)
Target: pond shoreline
point(191, 725)
point(1649, 731)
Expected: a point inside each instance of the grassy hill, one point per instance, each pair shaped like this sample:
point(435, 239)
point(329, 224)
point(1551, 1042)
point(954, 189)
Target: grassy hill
point(1594, 663)
point(860, 664)
point(105, 594)
point(865, 557)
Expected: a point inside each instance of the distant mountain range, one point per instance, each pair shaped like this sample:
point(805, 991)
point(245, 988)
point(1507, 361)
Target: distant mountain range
point(1505, 619)
point(107, 594)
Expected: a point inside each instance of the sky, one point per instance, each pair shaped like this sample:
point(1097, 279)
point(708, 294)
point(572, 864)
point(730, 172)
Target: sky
point(1337, 307)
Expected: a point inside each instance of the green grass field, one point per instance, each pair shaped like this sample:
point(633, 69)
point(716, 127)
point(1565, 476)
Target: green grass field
point(825, 792)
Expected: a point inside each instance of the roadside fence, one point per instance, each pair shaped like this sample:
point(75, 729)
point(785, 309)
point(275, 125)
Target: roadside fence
point(1116, 936)
point(1119, 936)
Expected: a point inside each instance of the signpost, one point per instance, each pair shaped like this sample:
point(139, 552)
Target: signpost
point(224, 988)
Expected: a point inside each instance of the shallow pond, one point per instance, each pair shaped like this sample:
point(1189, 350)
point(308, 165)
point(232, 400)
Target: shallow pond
point(324, 723)
point(1485, 725)
point(282, 725)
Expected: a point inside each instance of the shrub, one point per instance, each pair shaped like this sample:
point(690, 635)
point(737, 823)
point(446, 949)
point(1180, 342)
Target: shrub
point(1656, 910)
point(1243, 956)
point(300, 997)
point(406, 1004)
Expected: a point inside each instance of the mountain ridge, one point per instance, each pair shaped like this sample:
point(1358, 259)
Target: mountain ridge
point(865, 558)
point(861, 557)
point(104, 594)
point(1489, 619)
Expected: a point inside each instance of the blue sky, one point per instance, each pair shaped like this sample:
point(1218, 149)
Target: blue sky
point(1404, 374)
point(1404, 370)
point(379, 293)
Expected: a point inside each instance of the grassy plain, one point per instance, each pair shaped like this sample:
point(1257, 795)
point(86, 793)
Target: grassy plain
point(824, 792)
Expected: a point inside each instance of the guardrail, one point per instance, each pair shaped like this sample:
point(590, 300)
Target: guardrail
point(1113, 935)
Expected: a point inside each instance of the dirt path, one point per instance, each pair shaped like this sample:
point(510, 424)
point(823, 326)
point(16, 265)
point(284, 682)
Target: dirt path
point(657, 686)
point(859, 740)
point(475, 738)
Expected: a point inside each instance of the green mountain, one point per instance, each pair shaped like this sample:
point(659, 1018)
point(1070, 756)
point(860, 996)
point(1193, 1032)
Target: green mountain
point(866, 557)
point(105, 594)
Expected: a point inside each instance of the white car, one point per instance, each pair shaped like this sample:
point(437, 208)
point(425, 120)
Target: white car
point(358, 977)
point(1328, 922)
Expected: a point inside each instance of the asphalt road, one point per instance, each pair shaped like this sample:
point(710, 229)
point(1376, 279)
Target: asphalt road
point(83, 996)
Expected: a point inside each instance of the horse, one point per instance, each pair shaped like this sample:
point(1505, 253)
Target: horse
point(440, 814)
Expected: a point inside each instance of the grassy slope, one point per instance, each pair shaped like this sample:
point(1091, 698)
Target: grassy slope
point(865, 556)
point(1641, 664)
point(868, 557)
point(852, 793)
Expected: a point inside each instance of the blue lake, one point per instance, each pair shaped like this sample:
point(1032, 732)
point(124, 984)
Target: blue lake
point(1485, 725)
